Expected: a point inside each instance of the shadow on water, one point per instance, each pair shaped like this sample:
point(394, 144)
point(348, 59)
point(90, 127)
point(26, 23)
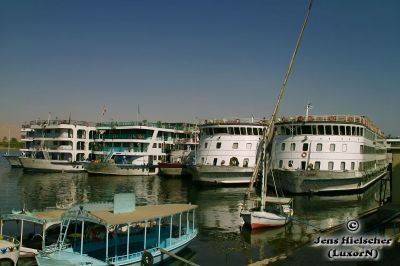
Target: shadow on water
point(220, 241)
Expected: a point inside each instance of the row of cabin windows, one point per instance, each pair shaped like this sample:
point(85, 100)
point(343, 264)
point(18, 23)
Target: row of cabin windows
point(332, 147)
point(232, 162)
point(232, 130)
point(321, 130)
point(317, 165)
point(235, 145)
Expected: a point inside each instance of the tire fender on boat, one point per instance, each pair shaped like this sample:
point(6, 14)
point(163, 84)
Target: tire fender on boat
point(147, 258)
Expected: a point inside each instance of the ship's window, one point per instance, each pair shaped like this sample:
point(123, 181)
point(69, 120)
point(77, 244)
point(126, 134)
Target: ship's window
point(352, 165)
point(305, 146)
point(246, 162)
point(235, 145)
point(237, 131)
point(328, 130)
point(342, 130)
point(332, 147)
point(215, 161)
point(243, 130)
point(205, 145)
point(154, 145)
point(358, 131)
point(255, 131)
point(319, 146)
point(220, 130)
point(303, 165)
point(353, 131)
point(283, 146)
point(218, 145)
point(292, 146)
point(248, 146)
point(234, 161)
point(230, 130)
point(344, 147)
point(202, 160)
point(360, 166)
point(343, 166)
point(321, 130)
point(348, 130)
point(260, 131)
point(280, 163)
point(361, 149)
point(288, 132)
point(317, 165)
point(290, 163)
point(154, 157)
point(159, 157)
point(335, 130)
point(314, 129)
point(249, 131)
point(306, 129)
point(361, 132)
point(330, 165)
point(159, 145)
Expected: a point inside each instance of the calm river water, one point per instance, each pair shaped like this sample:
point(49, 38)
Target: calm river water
point(220, 240)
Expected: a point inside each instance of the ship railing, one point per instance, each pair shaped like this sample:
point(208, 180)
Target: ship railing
point(261, 121)
point(158, 124)
point(57, 122)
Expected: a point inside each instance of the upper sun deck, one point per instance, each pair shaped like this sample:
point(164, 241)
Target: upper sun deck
point(234, 122)
point(55, 123)
point(184, 127)
point(331, 119)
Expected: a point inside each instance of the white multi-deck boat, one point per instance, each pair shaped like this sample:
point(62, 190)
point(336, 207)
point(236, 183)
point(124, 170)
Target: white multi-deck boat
point(56, 145)
point(328, 153)
point(133, 148)
point(227, 150)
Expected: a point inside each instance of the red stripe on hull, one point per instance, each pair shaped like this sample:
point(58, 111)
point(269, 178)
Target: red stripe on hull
point(255, 226)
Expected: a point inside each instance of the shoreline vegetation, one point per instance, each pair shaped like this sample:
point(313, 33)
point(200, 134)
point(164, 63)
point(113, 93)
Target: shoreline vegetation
point(13, 143)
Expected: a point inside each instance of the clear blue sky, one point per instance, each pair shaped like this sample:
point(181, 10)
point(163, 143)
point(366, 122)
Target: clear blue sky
point(182, 60)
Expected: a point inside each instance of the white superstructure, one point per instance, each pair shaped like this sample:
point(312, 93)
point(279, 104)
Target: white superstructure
point(133, 148)
point(328, 153)
point(227, 150)
point(56, 145)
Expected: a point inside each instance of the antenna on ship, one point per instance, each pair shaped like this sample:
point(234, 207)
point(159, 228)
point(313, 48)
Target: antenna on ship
point(308, 108)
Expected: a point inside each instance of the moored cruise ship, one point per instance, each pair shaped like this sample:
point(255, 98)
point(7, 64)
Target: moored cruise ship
point(56, 145)
point(227, 150)
point(328, 153)
point(133, 148)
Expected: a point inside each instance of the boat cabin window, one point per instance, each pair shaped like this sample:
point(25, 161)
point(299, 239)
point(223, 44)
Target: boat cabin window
point(319, 147)
point(230, 131)
point(361, 149)
point(328, 130)
point(249, 131)
point(235, 145)
point(335, 130)
point(220, 130)
point(215, 161)
point(246, 162)
point(248, 146)
point(321, 130)
point(237, 131)
point(218, 145)
point(255, 131)
point(314, 129)
point(260, 131)
point(358, 131)
point(290, 163)
point(361, 131)
point(361, 166)
point(303, 165)
point(283, 146)
point(342, 130)
point(280, 164)
point(352, 166)
point(305, 146)
point(205, 145)
point(306, 130)
point(243, 130)
point(154, 145)
point(343, 166)
point(317, 165)
point(353, 131)
point(348, 130)
point(330, 166)
point(234, 161)
point(292, 146)
point(332, 147)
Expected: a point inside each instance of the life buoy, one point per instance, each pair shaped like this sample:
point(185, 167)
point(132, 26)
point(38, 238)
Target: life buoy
point(147, 258)
point(304, 154)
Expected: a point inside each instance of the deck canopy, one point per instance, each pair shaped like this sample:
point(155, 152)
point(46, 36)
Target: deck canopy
point(106, 216)
point(46, 217)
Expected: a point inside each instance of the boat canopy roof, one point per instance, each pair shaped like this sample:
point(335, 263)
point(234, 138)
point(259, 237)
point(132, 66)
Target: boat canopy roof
point(107, 217)
point(51, 216)
point(278, 200)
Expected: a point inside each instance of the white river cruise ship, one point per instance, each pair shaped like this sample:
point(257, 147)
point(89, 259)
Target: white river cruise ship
point(328, 153)
point(134, 148)
point(227, 150)
point(56, 145)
